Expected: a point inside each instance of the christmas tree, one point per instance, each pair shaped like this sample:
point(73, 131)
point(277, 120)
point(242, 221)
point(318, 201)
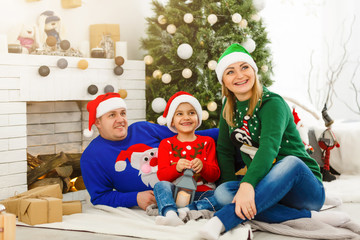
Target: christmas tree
point(184, 40)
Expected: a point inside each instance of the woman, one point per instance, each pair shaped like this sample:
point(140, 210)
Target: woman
point(282, 181)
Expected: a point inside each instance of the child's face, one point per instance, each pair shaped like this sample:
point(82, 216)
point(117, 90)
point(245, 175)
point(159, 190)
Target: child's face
point(185, 118)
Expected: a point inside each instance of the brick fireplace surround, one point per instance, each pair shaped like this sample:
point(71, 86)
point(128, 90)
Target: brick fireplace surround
point(45, 115)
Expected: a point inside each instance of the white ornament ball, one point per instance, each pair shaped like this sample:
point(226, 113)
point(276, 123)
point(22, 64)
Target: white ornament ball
point(212, 106)
point(212, 64)
point(157, 74)
point(166, 78)
point(205, 115)
point(162, 20)
point(236, 17)
point(259, 4)
point(243, 23)
point(188, 18)
point(212, 19)
point(264, 68)
point(249, 45)
point(148, 60)
point(186, 73)
point(171, 28)
point(255, 17)
point(158, 105)
point(184, 51)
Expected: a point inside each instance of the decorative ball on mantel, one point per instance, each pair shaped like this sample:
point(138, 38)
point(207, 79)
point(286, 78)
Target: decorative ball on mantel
point(118, 70)
point(51, 41)
point(44, 71)
point(119, 60)
point(62, 63)
point(109, 88)
point(64, 45)
point(184, 51)
point(158, 105)
point(92, 89)
point(148, 60)
point(83, 64)
point(123, 93)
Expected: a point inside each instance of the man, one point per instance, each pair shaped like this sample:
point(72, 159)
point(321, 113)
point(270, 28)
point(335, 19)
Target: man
point(119, 166)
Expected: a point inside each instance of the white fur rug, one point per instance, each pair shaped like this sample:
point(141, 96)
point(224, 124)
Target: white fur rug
point(347, 187)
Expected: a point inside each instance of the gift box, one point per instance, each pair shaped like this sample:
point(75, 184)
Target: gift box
point(12, 203)
point(98, 31)
point(34, 211)
point(71, 207)
point(70, 3)
point(7, 226)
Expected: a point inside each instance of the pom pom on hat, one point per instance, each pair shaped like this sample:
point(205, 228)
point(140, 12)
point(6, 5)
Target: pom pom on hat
point(234, 53)
point(174, 102)
point(100, 105)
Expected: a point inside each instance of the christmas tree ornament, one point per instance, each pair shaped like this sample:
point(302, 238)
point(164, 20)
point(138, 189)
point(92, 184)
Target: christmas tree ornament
point(264, 68)
point(212, 19)
point(205, 115)
point(109, 89)
point(236, 17)
point(162, 20)
point(148, 60)
point(255, 17)
point(171, 28)
point(259, 4)
point(83, 64)
point(202, 44)
point(119, 60)
point(184, 51)
point(118, 70)
point(158, 105)
point(212, 64)
point(166, 78)
point(186, 73)
point(243, 23)
point(157, 74)
point(62, 63)
point(249, 45)
point(44, 71)
point(92, 89)
point(188, 18)
point(211, 106)
point(64, 45)
point(123, 93)
point(51, 41)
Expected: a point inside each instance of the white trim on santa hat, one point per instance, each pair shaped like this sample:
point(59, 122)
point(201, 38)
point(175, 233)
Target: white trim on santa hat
point(109, 105)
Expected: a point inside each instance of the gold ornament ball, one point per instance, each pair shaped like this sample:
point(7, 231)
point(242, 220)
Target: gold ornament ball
point(205, 115)
point(119, 60)
point(148, 60)
point(212, 106)
point(83, 64)
point(123, 93)
point(202, 43)
point(212, 64)
point(243, 23)
point(186, 73)
point(51, 41)
point(171, 28)
point(162, 20)
point(157, 74)
point(166, 78)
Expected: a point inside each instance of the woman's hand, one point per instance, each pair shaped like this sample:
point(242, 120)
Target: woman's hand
point(245, 201)
point(197, 165)
point(182, 164)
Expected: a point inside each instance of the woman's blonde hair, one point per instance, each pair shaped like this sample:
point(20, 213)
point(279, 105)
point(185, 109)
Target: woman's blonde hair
point(228, 112)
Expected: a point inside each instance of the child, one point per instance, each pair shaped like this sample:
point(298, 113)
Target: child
point(186, 150)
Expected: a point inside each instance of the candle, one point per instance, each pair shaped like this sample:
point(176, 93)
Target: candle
point(121, 49)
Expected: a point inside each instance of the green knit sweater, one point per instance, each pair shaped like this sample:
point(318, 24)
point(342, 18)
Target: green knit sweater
point(272, 131)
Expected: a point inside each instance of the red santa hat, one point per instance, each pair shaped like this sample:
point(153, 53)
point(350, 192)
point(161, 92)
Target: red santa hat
point(101, 105)
point(297, 120)
point(120, 163)
point(173, 103)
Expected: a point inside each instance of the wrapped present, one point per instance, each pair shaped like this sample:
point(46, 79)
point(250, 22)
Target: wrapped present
point(12, 203)
point(99, 31)
point(71, 207)
point(70, 3)
point(7, 226)
point(34, 211)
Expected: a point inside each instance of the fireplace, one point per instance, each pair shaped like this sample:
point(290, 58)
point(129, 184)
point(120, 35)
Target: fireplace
point(46, 115)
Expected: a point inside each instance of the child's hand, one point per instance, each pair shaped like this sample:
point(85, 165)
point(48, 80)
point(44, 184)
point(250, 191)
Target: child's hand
point(197, 165)
point(182, 164)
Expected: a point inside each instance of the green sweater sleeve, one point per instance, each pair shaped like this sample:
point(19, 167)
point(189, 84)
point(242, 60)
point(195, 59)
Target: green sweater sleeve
point(274, 117)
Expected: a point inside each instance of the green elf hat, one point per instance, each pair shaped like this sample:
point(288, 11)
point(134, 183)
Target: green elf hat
point(234, 53)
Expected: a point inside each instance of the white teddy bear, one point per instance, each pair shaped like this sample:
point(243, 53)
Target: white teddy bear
point(28, 38)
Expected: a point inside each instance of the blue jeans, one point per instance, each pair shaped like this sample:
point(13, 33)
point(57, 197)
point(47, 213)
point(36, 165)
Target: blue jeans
point(164, 195)
point(289, 191)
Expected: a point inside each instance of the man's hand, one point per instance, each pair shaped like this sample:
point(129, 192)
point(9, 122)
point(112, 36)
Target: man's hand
point(182, 164)
point(145, 198)
point(197, 165)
